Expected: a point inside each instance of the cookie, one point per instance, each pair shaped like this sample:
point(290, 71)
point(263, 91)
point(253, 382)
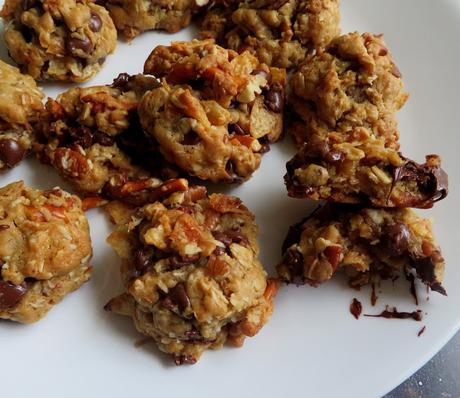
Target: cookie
point(65, 40)
point(352, 84)
point(79, 137)
point(20, 108)
point(280, 33)
point(216, 112)
point(344, 102)
point(367, 244)
point(134, 17)
point(359, 169)
point(45, 249)
point(191, 275)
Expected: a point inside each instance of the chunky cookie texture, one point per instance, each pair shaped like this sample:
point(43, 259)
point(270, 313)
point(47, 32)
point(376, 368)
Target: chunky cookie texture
point(135, 17)
point(344, 101)
point(216, 112)
point(65, 40)
point(82, 132)
point(279, 33)
point(45, 249)
point(351, 85)
point(20, 108)
point(368, 244)
point(190, 271)
point(359, 169)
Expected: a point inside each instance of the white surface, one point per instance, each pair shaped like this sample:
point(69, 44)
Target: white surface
point(312, 346)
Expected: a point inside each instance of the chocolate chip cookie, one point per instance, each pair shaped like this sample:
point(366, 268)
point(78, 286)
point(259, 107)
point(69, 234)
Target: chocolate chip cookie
point(344, 101)
point(79, 136)
point(65, 40)
point(280, 33)
point(45, 249)
point(20, 107)
point(216, 112)
point(352, 84)
point(191, 275)
point(135, 17)
point(368, 244)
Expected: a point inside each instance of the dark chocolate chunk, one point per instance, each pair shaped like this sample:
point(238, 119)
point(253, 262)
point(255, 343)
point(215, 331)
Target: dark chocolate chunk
point(178, 297)
point(95, 22)
point(103, 139)
point(11, 152)
point(396, 238)
point(425, 267)
point(143, 258)
point(237, 129)
point(121, 81)
point(233, 176)
point(28, 4)
point(433, 181)
point(177, 261)
point(74, 45)
point(81, 136)
point(274, 98)
point(191, 138)
point(10, 294)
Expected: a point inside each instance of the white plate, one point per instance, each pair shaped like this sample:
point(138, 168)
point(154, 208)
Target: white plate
point(312, 346)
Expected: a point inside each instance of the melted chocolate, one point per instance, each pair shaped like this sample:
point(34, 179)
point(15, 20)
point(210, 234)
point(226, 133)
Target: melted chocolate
point(356, 308)
point(395, 314)
point(421, 331)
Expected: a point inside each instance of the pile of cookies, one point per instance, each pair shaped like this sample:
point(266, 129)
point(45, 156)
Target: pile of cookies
point(204, 110)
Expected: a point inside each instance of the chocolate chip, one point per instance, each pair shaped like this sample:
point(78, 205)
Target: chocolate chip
point(293, 259)
point(237, 129)
point(439, 183)
point(103, 139)
point(396, 239)
point(28, 4)
point(75, 45)
point(233, 176)
point(274, 98)
point(224, 238)
point(10, 294)
point(184, 360)
point(81, 136)
point(433, 181)
point(425, 267)
point(101, 60)
point(178, 296)
point(176, 262)
point(191, 138)
point(4, 227)
point(11, 152)
point(143, 259)
point(27, 33)
point(95, 22)
point(121, 81)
